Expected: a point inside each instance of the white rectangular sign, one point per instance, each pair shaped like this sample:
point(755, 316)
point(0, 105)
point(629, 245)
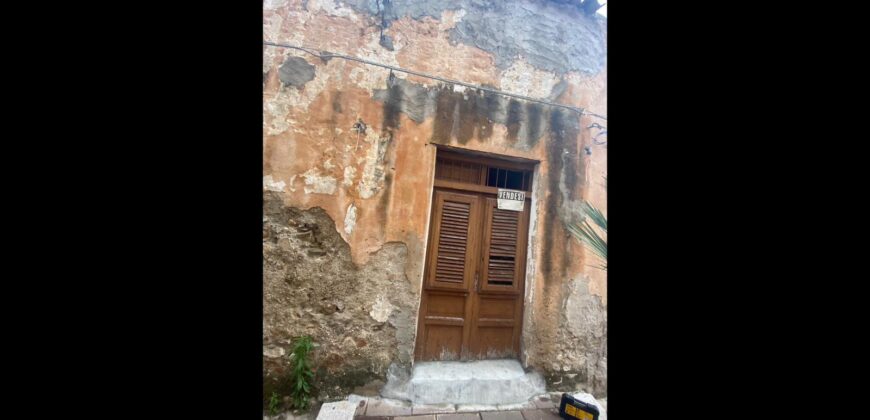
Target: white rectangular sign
point(511, 199)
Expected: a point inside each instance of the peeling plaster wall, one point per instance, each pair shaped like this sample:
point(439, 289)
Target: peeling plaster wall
point(349, 150)
point(361, 316)
point(553, 36)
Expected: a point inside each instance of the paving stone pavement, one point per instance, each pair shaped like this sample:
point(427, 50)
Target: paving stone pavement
point(536, 414)
point(541, 408)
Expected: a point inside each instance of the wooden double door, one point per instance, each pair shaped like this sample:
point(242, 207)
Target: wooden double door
point(472, 300)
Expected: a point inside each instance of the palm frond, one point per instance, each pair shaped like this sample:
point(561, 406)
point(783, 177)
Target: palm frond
point(587, 234)
point(593, 213)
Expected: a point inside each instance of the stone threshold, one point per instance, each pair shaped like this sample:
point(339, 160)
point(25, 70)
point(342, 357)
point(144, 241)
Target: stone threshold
point(357, 407)
point(381, 408)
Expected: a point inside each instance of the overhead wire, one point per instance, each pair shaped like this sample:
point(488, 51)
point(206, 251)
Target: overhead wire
point(326, 55)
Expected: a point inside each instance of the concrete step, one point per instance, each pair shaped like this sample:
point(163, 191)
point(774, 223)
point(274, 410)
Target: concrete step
point(479, 382)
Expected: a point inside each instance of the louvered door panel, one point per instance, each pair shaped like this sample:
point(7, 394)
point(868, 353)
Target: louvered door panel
point(501, 266)
point(502, 253)
point(497, 306)
point(455, 238)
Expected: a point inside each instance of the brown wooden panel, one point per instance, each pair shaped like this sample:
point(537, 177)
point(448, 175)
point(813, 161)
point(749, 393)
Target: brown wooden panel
point(494, 322)
point(454, 241)
point(501, 263)
point(472, 300)
point(472, 172)
point(446, 305)
point(520, 165)
point(496, 308)
point(445, 320)
point(495, 342)
point(443, 343)
point(495, 325)
point(458, 170)
point(504, 243)
point(453, 185)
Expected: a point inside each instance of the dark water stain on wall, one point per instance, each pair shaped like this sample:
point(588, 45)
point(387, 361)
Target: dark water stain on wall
point(561, 149)
point(569, 129)
point(296, 72)
point(533, 123)
point(392, 109)
point(384, 202)
point(472, 114)
point(468, 119)
point(513, 119)
point(414, 100)
point(336, 103)
point(462, 115)
point(444, 108)
point(491, 108)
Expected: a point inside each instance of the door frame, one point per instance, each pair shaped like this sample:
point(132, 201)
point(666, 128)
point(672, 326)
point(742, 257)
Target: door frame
point(504, 161)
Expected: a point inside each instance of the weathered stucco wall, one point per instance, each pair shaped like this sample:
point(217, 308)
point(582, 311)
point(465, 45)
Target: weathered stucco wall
point(361, 316)
point(347, 150)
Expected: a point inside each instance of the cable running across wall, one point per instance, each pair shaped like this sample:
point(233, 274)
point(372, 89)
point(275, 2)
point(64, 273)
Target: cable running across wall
point(325, 55)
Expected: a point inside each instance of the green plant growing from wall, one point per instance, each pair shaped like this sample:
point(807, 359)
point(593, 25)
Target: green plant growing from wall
point(301, 373)
point(274, 402)
point(587, 234)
